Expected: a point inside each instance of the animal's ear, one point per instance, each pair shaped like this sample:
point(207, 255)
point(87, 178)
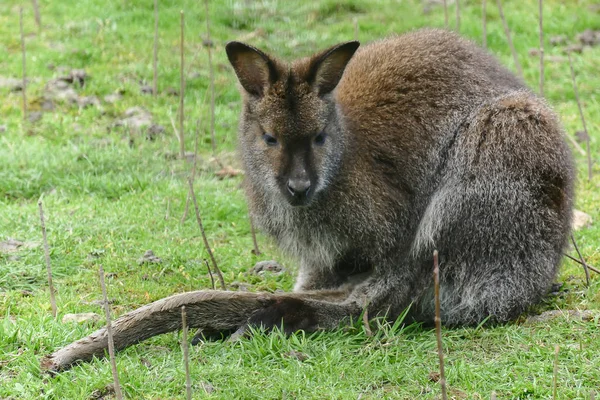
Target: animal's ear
point(254, 69)
point(327, 67)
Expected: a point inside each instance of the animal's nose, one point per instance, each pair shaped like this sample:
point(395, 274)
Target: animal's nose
point(298, 187)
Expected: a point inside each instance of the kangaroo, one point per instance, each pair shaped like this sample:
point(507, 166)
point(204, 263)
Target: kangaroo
point(361, 162)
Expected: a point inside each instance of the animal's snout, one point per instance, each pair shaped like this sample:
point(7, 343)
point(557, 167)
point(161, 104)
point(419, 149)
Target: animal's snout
point(298, 187)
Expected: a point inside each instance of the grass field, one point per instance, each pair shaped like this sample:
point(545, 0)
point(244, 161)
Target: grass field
point(110, 194)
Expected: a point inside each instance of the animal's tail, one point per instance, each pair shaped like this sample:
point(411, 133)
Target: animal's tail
point(213, 311)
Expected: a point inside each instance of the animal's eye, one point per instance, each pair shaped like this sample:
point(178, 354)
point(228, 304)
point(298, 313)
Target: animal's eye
point(320, 138)
point(269, 140)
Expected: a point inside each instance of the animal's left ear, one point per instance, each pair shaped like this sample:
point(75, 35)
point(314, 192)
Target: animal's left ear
point(326, 68)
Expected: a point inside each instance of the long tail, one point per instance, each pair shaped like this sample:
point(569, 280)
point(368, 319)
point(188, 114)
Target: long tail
point(213, 311)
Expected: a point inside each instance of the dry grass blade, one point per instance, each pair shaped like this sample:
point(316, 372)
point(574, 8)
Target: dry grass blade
point(438, 323)
point(109, 332)
point(206, 244)
point(181, 87)
point(583, 263)
point(541, 19)
point(186, 354)
point(155, 52)
point(555, 374)
point(47, 256)
point(484, 23)
point(24, 56)
point(509, 39)
point(587, 142)
point(212, 82)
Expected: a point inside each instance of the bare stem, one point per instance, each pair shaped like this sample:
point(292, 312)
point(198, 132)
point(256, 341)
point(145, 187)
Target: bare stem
point(186, 354)
point(47, 256)
point(38, 18)
point(555, 375)
point(580, 263)
point(509, 39)
point(193, 173)
point(212, 82)
point(109, 331)
point(355, 20)
point(583, 263)
point(576, 90)
point(212, 278)
point(254, 241)
point(457, 15)
point(446, 14)
point(24, 56)
point(365, 320)
point(206, 244)
point(438, 323)
point(484, 23)
point(541, 15)
point(181, 88)
point(155, 53)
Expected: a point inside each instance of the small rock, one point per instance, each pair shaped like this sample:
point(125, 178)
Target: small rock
point(13, 84)
point(534, 52)
point(10, 245)
point(580, 220)
point(113, 98)
point(228, 172)
point(88, 101)
point(149, 257)
point(155, 131)
point(207, 43)
point(263, 266)
point(583, 315)
point(558, 40)
point(574, 48)
point(171, 91)
point(434, 376)
point(59, 90)
point(80, 318)
point(146, 89)
point(581, 136)
point(47, 105)
point(208, 387)
point(34, 116)
point(589, 37)
point(3, 128)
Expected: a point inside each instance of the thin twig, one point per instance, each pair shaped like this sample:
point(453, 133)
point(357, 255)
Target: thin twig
point(193, 173)
point(509, 39)
point(36, 11)
point(155, 53)
point(446, 14)
point(355, 20)
point(206, 244)
point(181, 89)
point(541, 15)
point(591, 268)
point(186, 354)
point(438, 323)
point(583, 263)
point(47, 256)
point(555, 374)
point(212, 82)
point(457, 15)
point(212, 278)
point(253, 232)
point(587, 136)
point(111, 343)
point(484, 23)
point(24, 89)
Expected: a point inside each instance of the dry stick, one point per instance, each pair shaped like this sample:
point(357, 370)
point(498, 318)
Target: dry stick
point(186, 354)
point(193, 173)
point(47, 255)
point(580, 263)
point(212, 82)
point(210, 253)
point(457, 15)
point(181, 90)
point(38, 18)
point(508, 37)
point(212, 278)
point(446, 14)
point(583, 263)
point(253, 232)
point(484, 22)
point(541, 15)
point(555, 375)
point(24, 89)
point(155, 54)
point(438, 323)
point(587, 140)
point(111, 344)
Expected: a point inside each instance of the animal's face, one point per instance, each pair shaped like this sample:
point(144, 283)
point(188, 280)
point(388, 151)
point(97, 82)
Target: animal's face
point(289, 133)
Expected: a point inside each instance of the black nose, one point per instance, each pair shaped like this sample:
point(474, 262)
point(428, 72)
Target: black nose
point(298, 187)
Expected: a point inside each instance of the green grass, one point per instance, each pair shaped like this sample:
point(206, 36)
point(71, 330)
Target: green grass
point(110, 194)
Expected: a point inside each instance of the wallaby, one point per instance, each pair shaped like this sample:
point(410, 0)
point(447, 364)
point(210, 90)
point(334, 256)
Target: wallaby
point(360, 162)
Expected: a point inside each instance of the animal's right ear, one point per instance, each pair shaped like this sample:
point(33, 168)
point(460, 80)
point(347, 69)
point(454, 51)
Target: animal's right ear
point(254, 69)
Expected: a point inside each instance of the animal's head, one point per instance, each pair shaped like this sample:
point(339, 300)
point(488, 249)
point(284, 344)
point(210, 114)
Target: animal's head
point(290, 135)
